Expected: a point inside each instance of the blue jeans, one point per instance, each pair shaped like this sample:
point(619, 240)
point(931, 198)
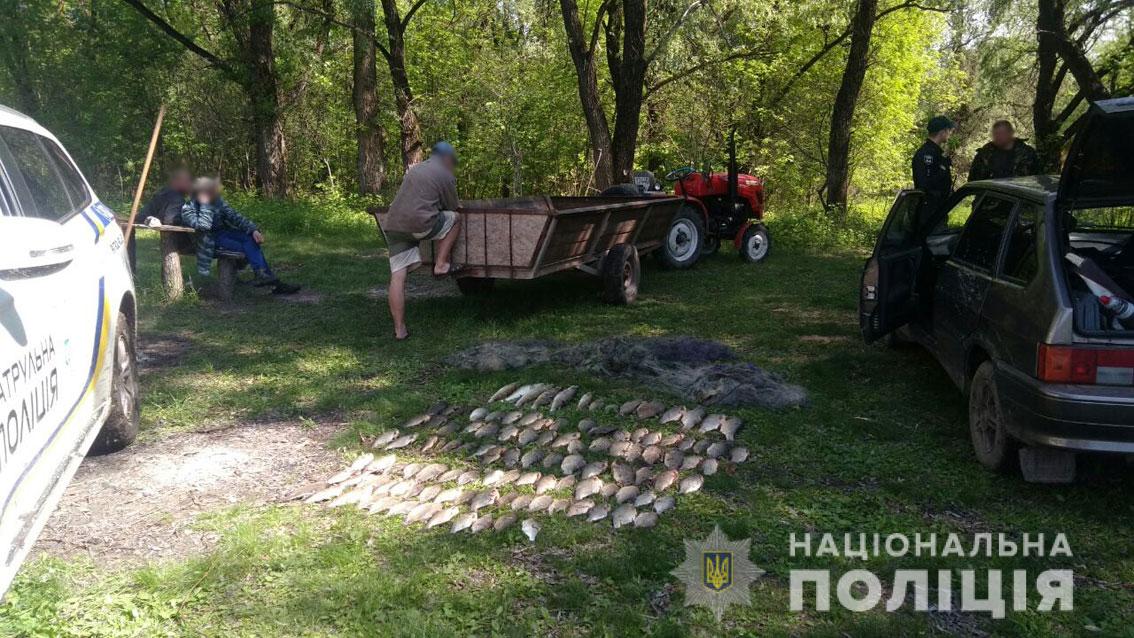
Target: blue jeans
point(241, 242)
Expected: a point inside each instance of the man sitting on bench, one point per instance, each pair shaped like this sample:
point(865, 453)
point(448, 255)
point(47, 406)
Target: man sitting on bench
point(219, 226)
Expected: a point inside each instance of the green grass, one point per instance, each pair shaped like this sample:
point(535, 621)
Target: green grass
point(883, 448)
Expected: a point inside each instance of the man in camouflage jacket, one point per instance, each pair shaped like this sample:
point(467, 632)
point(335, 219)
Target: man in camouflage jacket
point(1005, 156)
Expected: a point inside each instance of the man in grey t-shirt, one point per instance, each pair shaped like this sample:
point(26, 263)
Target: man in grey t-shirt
point(423, 210)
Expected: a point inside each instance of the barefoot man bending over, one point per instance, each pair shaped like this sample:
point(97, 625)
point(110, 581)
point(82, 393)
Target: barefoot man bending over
point(423, 210)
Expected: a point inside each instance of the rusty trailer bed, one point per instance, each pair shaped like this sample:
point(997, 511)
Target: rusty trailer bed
point(524, 238)
point(529, 237)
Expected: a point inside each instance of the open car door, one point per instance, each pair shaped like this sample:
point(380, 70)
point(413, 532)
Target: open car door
point(1098, 171)
point(888, 294)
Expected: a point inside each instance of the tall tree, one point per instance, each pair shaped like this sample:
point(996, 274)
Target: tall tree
point(1061, 50)
point(842, 115)
point(624, 23)
point(583, 56)
point(395, 54)
point(251, 23)
point(369, 132)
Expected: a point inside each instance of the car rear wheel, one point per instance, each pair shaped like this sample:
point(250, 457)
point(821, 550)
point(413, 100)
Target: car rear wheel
point(621, 271)
point(755, 244)
point(993, 446)
point(684, 240)
point(121, 427)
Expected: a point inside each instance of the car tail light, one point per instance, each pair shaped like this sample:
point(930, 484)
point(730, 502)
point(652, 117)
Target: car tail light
point(1085, 366)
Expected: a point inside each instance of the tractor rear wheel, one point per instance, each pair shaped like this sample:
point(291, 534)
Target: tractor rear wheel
point(684, 240)
point(620, 273)
point(755, 244)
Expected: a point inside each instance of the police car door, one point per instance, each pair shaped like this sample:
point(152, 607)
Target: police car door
point(53, 335)
point(888, 296)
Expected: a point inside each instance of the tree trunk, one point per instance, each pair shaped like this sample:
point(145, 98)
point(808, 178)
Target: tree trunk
point(371, 141)
point(1054, 43)
point(1049, 80)
point(628, 91)
point(412, 150)
point(598, 130)
point(263, 92)
point(842, 115)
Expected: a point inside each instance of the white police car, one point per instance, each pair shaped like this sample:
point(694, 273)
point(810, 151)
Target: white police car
point(68, 374)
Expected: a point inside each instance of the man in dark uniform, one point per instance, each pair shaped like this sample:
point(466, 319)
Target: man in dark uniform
point(932, 169)
point(165, 206)
point(1005, 156)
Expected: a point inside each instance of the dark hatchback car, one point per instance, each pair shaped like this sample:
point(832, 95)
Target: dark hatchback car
point(994, 285)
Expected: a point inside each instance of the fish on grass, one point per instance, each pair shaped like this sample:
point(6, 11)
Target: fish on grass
point(623, 515)
point(589, 487)
point(584, 401)
point(503, 392)
point(646, 519)
point(691, 484)
point(442, 517)
point(691, 418)
point(481, 524)
point(531, 529)
point(540, 503)
point(598, 512)
point(578, 508)
point(627, 408)
point(384, 438)
point(649, 409)
point(562, 397)
point(673, 414)
point(401, 441)
point(463, 522)
point(738, 454)
point(515, 394)
point(730, 426)
point(504, 522)
point(664, 504)
point(483, 499)
point(572, 463)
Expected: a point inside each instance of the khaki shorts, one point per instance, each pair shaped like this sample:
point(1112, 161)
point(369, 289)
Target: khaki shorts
point(405, 252)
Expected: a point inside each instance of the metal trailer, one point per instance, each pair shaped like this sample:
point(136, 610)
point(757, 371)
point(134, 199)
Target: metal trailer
point(529, 237)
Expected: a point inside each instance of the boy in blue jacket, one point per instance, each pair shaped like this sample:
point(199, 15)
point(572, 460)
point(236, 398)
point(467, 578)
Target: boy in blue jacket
point(219, 226)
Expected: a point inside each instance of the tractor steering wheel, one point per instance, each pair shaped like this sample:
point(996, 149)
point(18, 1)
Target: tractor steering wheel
point(678, 174)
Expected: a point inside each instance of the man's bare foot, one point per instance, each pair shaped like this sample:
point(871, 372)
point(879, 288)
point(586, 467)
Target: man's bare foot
point(401, 335)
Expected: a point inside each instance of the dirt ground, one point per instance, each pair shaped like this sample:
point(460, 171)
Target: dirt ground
point(420, 286)
point(138, 505)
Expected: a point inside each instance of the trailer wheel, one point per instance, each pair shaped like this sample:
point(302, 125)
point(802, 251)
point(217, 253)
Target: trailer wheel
point(684, 240)
point(755, 244)
point(475, 286)
point(621, 271)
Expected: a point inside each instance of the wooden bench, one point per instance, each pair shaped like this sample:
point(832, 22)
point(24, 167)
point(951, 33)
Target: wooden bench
point(173, 245)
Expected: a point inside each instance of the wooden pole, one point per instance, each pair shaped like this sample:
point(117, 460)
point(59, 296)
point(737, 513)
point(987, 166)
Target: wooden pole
point(145, 172)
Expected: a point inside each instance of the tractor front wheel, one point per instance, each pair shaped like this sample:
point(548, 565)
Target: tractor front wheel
point(755, 244)
point(684, 240)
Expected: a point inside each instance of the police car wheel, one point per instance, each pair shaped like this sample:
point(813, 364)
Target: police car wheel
point(121, 427)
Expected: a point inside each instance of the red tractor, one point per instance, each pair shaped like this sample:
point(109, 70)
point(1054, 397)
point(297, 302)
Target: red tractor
point(719, 207)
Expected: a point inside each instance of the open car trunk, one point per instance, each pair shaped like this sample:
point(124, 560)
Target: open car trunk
point(1095, 214)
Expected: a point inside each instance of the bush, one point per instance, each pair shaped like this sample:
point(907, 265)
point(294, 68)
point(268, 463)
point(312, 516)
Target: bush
point(813, 228)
